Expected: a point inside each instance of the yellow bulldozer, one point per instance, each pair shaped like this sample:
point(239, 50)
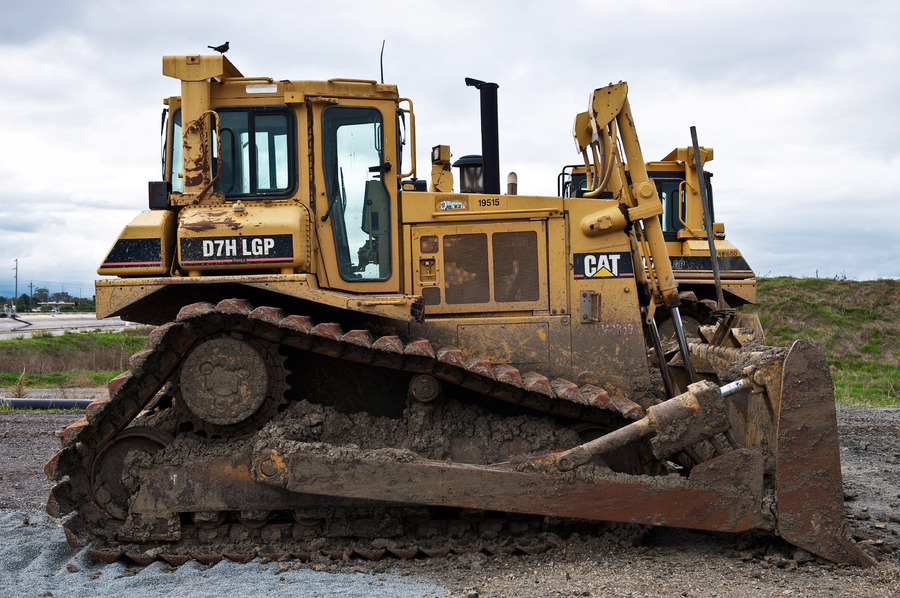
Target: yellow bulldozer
point(352, 360)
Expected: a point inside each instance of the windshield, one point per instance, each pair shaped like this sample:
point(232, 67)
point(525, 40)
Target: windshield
point(257, 152)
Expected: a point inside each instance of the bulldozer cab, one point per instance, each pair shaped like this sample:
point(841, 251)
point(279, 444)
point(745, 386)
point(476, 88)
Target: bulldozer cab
point(247, 136)
point(677, 183)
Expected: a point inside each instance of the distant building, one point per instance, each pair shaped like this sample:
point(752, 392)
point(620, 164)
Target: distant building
point(56, 304)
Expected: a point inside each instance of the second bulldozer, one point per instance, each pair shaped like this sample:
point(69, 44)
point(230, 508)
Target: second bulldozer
point(353, 361)
point(678, 182)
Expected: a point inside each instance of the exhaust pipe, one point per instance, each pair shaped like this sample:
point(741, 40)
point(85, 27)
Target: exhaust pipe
point(490, 138)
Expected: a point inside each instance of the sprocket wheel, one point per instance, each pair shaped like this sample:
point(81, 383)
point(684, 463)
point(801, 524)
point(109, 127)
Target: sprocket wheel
point(231, 385)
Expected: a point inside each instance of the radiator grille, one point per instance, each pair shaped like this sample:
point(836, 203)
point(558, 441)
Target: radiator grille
point(515, 266)
point(466, 268)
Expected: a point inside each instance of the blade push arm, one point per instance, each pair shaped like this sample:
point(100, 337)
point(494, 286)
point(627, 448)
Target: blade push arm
point(607, 123)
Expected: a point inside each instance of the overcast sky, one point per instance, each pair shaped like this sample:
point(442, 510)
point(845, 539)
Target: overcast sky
point(799, 99)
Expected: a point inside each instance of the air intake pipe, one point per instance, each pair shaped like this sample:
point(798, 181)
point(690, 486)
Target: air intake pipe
point(490, 138)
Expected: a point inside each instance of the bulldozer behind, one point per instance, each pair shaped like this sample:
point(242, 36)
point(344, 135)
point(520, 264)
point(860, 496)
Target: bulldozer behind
point(346, 353)
point(678, 183)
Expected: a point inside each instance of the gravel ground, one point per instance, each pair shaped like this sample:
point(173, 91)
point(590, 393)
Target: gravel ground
point(36, 561)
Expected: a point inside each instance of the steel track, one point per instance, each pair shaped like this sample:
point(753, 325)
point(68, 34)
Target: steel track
point(151, 377)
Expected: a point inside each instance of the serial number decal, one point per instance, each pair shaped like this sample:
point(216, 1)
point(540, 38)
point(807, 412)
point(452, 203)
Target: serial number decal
point(603, 265)
point(488, 203)
point(263, 249)
point(623, 329)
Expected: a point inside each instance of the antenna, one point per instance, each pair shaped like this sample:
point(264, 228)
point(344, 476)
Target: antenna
point(382, 61)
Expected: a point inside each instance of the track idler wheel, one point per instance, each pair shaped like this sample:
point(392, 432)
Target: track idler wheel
point(107, 486)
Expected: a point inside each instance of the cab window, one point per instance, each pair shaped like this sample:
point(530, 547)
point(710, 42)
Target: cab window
point(358, 200)
point(671, 200)
point(176, 164)
point(257, 151)
point(669, 195)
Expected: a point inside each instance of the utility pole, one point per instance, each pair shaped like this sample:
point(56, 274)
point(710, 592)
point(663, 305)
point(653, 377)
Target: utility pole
point(16, 293)
point(31, 295)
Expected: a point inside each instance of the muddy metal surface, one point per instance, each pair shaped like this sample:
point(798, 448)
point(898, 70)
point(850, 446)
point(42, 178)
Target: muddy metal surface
point(655, 562)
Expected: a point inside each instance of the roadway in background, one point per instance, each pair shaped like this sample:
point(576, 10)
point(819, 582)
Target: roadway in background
point(24, 325)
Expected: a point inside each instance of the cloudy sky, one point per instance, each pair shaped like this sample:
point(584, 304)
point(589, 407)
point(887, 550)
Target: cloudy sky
point(799, 98)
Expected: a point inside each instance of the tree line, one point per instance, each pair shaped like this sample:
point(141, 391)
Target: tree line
point(25, 303)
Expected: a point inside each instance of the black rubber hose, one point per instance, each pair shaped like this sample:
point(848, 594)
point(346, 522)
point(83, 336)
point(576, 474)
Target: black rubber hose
point(45, 403)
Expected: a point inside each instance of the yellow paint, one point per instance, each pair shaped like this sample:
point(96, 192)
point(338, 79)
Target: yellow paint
point(275, 218)
point(149, 224)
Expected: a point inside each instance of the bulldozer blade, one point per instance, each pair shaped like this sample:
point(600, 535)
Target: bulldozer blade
point(809, 487)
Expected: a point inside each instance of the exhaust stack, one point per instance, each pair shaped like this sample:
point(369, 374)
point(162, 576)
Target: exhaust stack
point(490, 138)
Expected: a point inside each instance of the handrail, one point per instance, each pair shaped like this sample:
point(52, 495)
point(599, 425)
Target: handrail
point(412, 137)
point(469, 213)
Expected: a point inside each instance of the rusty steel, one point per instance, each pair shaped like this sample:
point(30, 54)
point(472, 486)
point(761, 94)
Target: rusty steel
point(810, 490)
point(424, 388)
point(106, 472)
point(224, 380)
point(701, 409)
point(711, 504)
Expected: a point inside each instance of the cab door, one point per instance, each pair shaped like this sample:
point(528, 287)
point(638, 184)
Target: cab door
point(355, 190)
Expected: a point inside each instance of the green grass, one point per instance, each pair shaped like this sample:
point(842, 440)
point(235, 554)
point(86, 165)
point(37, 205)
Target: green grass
point(67, 379)
point(130, 339)
point(71, 360)
point(856, 324)
point(866, 382)
point(5, 407)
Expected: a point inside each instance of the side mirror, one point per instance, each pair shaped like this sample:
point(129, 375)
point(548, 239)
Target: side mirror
point(158, 192)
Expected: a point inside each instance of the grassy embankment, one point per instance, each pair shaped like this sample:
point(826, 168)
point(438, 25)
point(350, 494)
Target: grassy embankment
point(855, 323)
point(69, 361)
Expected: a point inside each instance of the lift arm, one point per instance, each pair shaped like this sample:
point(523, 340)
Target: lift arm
point(608, 122)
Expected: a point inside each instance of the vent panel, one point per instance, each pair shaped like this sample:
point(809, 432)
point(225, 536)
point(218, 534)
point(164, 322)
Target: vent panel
point(466, 272)
point(516, 272)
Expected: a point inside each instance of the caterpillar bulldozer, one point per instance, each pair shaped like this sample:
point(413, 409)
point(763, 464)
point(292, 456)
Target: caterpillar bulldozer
point(352, 361)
